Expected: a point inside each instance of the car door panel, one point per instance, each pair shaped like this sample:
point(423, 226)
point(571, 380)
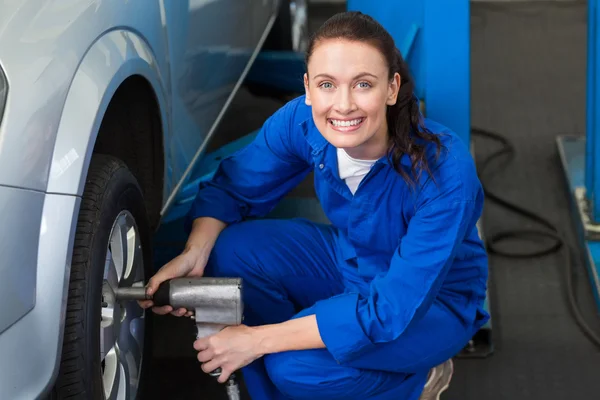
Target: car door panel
point(211, 43)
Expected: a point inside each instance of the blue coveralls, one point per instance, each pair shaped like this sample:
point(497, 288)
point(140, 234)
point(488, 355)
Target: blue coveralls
point(397, 282)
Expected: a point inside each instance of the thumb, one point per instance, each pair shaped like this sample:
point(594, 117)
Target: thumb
point(169, 271)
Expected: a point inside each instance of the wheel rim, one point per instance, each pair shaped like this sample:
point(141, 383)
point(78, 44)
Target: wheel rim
point(299, 15)
point(122, 324)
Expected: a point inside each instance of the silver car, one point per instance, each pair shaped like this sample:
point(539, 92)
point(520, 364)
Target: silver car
point(105, 106)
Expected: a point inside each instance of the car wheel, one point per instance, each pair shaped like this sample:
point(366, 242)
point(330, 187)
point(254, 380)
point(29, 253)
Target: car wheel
point(106, 343)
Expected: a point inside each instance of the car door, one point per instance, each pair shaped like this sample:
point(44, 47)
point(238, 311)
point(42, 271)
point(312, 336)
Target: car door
point(210, 45)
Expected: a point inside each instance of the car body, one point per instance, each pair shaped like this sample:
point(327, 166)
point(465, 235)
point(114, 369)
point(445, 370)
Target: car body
point(74, 73)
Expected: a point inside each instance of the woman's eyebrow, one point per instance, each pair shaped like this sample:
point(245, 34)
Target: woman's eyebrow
point(361, 75)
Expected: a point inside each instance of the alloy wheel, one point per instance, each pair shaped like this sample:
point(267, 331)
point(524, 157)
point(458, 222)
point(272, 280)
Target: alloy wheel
point(122, 325)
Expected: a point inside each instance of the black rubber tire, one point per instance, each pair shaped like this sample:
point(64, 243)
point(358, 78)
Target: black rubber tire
point(110, 188)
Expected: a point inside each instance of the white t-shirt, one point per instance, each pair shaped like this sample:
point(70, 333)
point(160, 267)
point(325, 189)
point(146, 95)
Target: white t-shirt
point(352, 170)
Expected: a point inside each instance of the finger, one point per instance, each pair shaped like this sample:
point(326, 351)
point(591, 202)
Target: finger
point(210, 366)
point(189, 313)
point(179, 312)
point(200, 344)
point(168, 271)
point(225, 374)
point(162, 310)
point(145, 303)
point(205, 356)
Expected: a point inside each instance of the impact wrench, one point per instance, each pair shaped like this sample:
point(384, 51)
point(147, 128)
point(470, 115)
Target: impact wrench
point(216, 302)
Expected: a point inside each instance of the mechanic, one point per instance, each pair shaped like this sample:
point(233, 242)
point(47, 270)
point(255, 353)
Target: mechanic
point(375, 305)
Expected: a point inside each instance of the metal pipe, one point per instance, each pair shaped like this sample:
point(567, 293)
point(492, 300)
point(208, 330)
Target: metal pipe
point(132, 293)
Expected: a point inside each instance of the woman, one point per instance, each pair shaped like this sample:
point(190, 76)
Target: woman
point(366, 307)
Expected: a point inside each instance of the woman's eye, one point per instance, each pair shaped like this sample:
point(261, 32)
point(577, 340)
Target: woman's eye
point(326, 85)
point(364, 85)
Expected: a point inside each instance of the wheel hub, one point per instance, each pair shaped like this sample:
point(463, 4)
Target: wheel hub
point(122, 324)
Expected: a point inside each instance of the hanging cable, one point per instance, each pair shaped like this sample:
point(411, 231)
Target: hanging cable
point(557, 242)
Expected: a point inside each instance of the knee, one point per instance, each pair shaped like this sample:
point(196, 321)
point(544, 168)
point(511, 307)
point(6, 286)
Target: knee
point(290, 376)
point(306, 375)
point(231, 251)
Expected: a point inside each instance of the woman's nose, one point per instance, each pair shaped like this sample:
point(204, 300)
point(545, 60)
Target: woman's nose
point(344, 103)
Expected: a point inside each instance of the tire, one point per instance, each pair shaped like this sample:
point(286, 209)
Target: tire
point(111, 191)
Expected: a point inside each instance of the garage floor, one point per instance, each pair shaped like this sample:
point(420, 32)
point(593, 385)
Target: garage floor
point(528, 83)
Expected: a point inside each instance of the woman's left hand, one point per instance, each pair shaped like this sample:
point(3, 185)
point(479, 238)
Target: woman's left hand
point(231, 349)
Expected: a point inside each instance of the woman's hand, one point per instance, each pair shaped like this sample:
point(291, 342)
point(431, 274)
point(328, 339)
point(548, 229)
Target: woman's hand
point(189, 263)
point(237, 346)
point(231, 349)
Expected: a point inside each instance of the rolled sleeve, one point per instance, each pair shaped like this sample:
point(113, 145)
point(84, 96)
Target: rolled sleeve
point(340, 328)
point(216, 203)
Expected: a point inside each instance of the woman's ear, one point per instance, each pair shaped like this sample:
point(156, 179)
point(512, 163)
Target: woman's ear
point(307, 99)
point(393, 89)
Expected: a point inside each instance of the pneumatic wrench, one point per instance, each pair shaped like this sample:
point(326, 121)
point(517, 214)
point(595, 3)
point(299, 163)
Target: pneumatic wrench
point(216, 302)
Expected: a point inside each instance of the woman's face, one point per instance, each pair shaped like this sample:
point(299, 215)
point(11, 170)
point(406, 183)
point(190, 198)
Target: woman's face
point(348, 87)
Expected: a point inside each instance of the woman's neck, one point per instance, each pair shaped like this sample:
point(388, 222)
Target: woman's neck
point(373, 149)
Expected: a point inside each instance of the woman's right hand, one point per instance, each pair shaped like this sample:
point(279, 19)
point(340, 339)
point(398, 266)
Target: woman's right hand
point(189, 263)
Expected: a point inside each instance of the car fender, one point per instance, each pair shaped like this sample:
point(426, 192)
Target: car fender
point(114, 57)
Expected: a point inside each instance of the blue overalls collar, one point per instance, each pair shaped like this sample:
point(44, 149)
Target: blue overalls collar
point(318, 143)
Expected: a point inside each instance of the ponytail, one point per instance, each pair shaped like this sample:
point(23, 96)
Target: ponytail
point(407, 132)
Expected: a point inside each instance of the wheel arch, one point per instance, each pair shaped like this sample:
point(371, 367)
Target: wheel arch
point(118, 61)
point(131, 131)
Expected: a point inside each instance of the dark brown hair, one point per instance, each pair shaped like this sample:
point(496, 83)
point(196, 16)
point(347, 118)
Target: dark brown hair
point(407, 133)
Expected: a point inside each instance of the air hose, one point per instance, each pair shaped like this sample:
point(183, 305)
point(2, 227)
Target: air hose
point(557, 243)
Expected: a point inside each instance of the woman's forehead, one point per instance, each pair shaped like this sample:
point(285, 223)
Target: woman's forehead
point(346, 58)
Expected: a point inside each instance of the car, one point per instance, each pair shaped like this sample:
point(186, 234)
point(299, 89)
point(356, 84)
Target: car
point(105, 108)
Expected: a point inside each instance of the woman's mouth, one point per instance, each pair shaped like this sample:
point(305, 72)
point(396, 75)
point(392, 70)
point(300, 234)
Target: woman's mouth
point(346, 125)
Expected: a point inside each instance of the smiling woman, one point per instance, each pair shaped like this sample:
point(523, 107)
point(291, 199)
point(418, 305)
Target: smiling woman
point(348, 104)
point(357, 81)
point(375, 304)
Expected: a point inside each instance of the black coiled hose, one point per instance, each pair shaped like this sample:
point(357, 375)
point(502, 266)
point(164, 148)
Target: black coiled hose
point(557, 243)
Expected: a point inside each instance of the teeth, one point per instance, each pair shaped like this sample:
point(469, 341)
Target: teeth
point(346, 123)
